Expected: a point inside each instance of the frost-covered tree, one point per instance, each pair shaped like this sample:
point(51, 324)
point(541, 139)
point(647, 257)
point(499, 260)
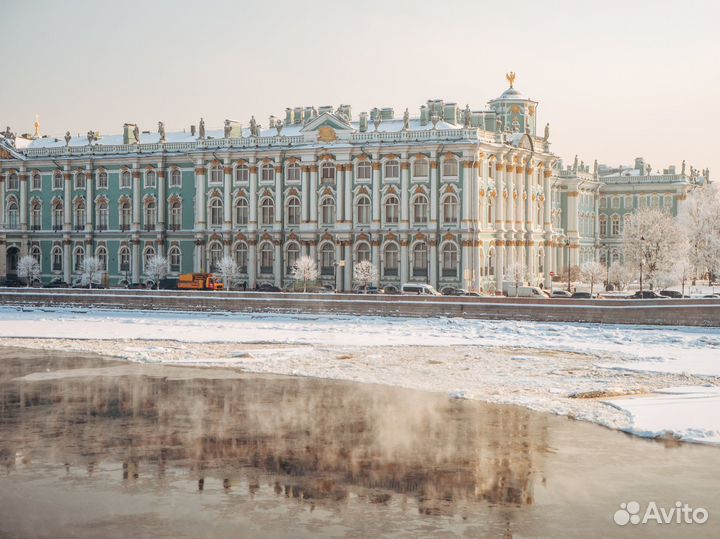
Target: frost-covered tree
point(90, 271)
point(653, 241)
point(364, 273)
point(304, 270)
point(28, 269)
point(592, 272)
point(700, 218)
point(156, 268)
point(515, 273)
point(229, 271)
point(620, 275)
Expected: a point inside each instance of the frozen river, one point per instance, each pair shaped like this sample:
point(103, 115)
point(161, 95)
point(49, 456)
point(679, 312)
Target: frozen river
point(107, 448)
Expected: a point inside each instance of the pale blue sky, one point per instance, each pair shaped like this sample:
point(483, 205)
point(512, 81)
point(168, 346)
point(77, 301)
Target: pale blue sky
point(615, 80)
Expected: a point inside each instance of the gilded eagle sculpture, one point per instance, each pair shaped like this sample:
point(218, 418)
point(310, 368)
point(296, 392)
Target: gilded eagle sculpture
point(510, 78)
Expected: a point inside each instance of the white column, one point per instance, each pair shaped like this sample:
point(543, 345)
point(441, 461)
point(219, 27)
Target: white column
point(90, 205)
point(338, 268)
point(433, 277)
point(500, 202)
point(67, 259)
point(477, 264)
point(279, 198)
point(347, 271)
point(467, 190)
point(465, 277)
point(348, 215)
point(227, 195)
point(162, 197)
point(404, 261)
point(404, 193)
point(340, 198)
point(376, 194)
point(23, 200)
point(67, 202)
point(304, 202)
point(313, 194)
point(252, 263)
point(547, 226)
point(252, 224)
point(135, 260)
point(3, 176)
point(375, 249)
point(433, 193)
point(137, 195)
point(277, 263)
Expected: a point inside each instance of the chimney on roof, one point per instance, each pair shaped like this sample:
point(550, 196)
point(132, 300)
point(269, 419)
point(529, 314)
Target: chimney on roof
point(423, 115)
point(192, 130)
point(363, 121)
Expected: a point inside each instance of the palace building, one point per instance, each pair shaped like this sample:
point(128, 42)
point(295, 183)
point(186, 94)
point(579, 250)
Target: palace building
point(451, 196)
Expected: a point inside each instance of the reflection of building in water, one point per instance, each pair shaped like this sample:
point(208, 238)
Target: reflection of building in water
point(307, 439)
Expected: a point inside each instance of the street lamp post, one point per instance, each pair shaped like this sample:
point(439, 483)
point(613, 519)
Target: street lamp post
point(642, 259)
point(567, 254)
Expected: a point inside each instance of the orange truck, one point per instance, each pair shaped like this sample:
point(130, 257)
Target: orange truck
point(199, 281)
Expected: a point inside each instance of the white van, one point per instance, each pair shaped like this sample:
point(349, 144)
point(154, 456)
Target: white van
point(419, 289)
point(523, 291)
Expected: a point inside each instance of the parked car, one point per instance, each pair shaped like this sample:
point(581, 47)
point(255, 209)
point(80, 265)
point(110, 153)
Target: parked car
point(673, 294)
point(473, 294)
point(561, 294)
point(419, 289)
point(647, 294)
point(56, 283)
point(582, 295)
point(454, 292)
point(712, 296)
point(510, 291)
point(267, 287)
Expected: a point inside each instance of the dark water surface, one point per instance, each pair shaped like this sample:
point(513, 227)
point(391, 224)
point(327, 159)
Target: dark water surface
point(98, 448)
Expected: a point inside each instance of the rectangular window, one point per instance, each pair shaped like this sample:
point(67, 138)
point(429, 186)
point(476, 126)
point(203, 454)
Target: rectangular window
point(36, 182)
point(102, 181)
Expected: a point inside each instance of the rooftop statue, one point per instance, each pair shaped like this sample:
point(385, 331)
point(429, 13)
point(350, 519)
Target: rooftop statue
point(683, 167)
point(136, 133)
point(253, 127)
point(201, 131)
point(547, 132)
point(68, 136)
point(227, 129)
point(406, 120)
point(161, 131)
point(510, 78)
point(467, 117)
point(36, 124)
point(90, 137)
point(279, 126)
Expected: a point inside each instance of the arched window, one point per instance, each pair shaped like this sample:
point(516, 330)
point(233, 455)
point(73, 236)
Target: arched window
point(36, 182)
point(490, 210)
point(266, 257)
point(364, 170)
point(541, 261)
point(102, 180)
point(362, 252)
point(294, 172)
point(125, 214)
point(150, 179)
point(176, 178)
point(242, 173)
point(241, 211)
point(491, 261)
point(216, 212)
point(125, 180)
point(420, 259)
point(392, 169)
point(79, 214)
point(101, 255)
point(175, 214)
point(327, 172)
point(148, 255)
point(102, 214)
point(13, 218)
point(293, 211)
point(668, 201)
point(57, 215)
point(603, 225)
point(450, 167)
point(392, 210)
point(420, 168)
point(327, 259)
point(241, 256)
point(291, 256)
point(267, 173)
point(327, 207)
point(57, 258)
point(216, 173)
point(58, 180)
point(615, 225)
point(420, 210)
point(449, 260)
point(267, 211)
point(390, 257)
point(124, 258)
point(35, 253)
point(36, 215)
point(175, 258)
point(450, 209)
point(363, 210)
point(216, 255)
point(79, 258)
point(150, 214)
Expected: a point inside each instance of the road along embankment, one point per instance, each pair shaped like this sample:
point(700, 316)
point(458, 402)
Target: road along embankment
point(670, 312)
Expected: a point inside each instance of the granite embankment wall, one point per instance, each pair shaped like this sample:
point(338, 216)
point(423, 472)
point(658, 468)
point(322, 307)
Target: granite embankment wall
point(688, 312)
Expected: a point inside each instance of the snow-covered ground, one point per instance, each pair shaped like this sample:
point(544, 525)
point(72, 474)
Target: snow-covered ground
point(572, 369)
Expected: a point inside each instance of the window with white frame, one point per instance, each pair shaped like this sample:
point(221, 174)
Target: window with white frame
point(242, 173)
point(216, 254)
point(291, 256)
point(450, 209)
point(57, 215)
point(392, 210)
point(267, 173)
point(216, 174)
point(13, 182)
point(101, 255)
point(124, 258)
point(392, 169)
point(391, 259)
point(241, 256)
point(79, 258)
point(266, 257)
point(267, 211)
point(216, 212)
point(125, 180)
point(420, 168)
point(420, 209)
point(79, 214)
point(80, 182)
point(102, 180)
point(102, 214)
point(327, 259)
point(363, 210)
point(125, 214)
point(327, 211)
point(57, 258)
point(615, 225)
point(57, 180)
point(364, 170)
point(36, 182)
point(36, 215)
point(150, 179)
point(175, 258)
point(420, 259)
point(293, 211)
point(628, 204)
point(175, 214)
point(450, 168)
point(362, 252)
point(176, 178)
point(449, 260)
point(241, 211)
point(327, 172)
point(294, 172)
point(150, 214)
